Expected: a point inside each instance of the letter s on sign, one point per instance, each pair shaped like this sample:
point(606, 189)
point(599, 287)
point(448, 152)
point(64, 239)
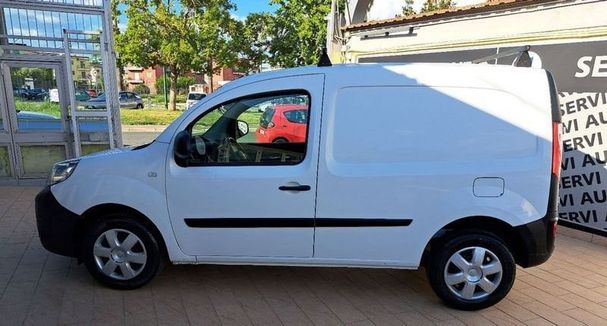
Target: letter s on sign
point(583, 65)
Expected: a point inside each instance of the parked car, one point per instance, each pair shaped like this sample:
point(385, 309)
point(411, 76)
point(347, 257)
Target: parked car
point(92, 92)
point(31, 94)
point(283, 123)
point(128, 100)
point(193, 98)
point(451, 166)
point(81, 96)
point(30, 121)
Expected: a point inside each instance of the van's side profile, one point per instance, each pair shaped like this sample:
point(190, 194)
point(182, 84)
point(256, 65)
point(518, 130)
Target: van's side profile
point(449, 166)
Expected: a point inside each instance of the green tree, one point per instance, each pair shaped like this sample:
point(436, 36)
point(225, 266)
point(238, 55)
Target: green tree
point(184, 82)
point(141, 89)
point(119, 64)
point(408, 8)
point(299, 30)
point(432, 5)
point(214, 40)
point(160, 32)
point(253, 38)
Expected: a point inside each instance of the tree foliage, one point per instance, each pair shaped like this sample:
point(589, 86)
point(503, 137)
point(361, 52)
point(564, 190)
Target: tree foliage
point(215, 35)
point(298, 32)
point(408, 8)
point(183, 36)
point(183, 84)
point(253, 40)
point(432, 5)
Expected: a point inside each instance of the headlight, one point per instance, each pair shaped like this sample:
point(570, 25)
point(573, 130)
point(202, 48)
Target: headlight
point(63, 170)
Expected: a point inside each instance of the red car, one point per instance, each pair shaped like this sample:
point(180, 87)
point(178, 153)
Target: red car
point(283, 123)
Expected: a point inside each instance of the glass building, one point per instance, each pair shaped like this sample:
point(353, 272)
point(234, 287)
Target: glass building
point(58, 64)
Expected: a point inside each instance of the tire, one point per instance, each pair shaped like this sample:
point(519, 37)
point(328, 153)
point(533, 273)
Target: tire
point(139, 106)
point(472, 288)
point(131, 263)
point(280, 140)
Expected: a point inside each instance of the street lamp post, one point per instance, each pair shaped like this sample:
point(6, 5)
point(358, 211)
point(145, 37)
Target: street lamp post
point(164, 86)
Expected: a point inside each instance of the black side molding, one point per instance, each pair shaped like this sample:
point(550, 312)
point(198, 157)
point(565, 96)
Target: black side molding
point(293, 222)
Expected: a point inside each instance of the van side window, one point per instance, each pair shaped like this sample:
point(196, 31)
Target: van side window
point(256, 130)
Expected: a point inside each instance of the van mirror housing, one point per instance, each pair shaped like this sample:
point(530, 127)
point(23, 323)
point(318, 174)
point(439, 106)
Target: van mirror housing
point(243, 128)
point(181, 148)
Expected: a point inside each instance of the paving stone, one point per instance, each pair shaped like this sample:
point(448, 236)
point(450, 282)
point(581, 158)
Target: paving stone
point(40, 288)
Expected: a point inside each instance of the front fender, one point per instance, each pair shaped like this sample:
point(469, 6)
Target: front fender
point(131, 178)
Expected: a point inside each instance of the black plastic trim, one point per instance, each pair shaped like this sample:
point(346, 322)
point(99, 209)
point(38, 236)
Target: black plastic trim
point(295, 188)
point(556, 110)
point(537, 237)
point(292, 222)
point(57, 226)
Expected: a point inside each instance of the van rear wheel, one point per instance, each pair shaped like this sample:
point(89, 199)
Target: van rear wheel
point(471, 271)
point(121, 253)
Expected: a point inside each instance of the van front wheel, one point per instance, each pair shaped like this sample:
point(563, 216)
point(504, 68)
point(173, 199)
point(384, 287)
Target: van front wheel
point(121, 253)
point(471, 271)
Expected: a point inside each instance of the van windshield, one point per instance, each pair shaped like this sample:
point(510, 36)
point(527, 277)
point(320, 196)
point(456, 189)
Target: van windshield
point(196, 96)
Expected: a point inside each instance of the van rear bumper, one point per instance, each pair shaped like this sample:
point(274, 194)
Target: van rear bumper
point(537, 238)
point(538, 241)
point(57, 226)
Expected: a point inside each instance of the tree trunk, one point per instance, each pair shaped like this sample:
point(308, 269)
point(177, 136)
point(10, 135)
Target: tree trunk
point(173, 91)
point(121, 72)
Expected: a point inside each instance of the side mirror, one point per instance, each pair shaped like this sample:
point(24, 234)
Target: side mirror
point(243, 128)
point(181, 148)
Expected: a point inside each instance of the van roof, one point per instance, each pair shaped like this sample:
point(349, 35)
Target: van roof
point(373, 71)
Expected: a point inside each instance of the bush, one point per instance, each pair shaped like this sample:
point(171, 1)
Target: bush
point(183, 84)
point(142, 89)
point(160, 85)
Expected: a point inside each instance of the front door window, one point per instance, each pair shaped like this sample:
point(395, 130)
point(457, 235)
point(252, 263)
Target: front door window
point(260, 130)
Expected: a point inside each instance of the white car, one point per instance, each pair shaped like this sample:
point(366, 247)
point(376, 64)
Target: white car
point(450, 166)
point(193, 98)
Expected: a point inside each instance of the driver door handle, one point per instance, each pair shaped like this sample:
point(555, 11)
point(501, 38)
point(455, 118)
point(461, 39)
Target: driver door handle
point(295, 188)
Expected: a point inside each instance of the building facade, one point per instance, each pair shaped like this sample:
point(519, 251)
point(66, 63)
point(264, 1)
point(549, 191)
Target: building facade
point(52, 54)
point(134, 76)
point(566, 37)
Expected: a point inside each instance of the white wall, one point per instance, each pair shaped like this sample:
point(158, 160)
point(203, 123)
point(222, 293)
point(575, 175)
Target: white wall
point(566, 19)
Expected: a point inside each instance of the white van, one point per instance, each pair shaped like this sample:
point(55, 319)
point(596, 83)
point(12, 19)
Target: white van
point(449, 166)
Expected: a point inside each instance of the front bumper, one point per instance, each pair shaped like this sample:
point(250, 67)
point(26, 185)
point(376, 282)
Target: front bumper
point(57, 226)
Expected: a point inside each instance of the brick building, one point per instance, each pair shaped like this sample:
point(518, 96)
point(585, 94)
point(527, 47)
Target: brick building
point(134, 76)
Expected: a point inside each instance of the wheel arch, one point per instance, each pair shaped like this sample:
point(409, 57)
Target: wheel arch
point(95, 213)
point(504, 231)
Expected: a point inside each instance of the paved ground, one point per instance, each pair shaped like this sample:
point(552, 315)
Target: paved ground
point(37, 287)
point(136, 138)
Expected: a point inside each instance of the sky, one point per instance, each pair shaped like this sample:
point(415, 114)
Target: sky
point(244, 7)
point(381, 9)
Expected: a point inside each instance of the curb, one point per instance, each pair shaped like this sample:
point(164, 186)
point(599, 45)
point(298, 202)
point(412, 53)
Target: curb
point(143, 128)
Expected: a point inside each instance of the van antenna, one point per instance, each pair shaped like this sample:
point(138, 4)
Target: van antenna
point(324, 60)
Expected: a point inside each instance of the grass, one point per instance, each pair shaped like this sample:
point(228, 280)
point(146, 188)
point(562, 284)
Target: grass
point(147, 116)
point(40, 107)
